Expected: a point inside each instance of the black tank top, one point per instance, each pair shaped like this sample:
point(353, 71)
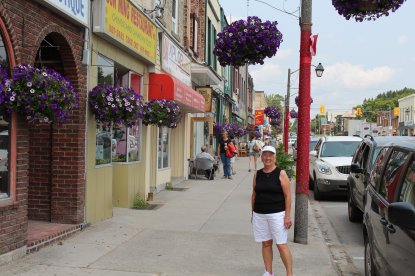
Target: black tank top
point(269, 196)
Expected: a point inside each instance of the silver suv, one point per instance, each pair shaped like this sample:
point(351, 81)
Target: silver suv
point(329, 164)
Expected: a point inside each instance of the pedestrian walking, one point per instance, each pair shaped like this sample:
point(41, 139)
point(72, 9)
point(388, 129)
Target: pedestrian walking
point(233, 166)
point(253, 155)
point(223, 146)
point(271, 209)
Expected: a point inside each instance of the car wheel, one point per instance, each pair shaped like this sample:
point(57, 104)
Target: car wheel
point(317, 194)
point(355, 215)
point(310, 183)
point(369, 268)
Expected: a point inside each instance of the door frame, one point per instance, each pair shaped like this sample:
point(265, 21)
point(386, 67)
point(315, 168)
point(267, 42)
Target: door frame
point(201, 119)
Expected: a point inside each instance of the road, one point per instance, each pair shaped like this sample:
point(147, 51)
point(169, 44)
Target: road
point(345, 237)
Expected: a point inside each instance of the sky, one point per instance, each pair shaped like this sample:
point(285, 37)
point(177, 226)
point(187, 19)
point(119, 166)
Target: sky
point(361, 59)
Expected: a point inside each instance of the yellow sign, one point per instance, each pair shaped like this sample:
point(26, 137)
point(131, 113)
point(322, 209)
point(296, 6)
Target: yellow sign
point(359, 111)
point(207, 94)
point(396, 111)
point(127, 24)
point(322, 109)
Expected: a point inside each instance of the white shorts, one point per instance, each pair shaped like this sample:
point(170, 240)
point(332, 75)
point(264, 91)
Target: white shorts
point(270, 227)
point(233, 159)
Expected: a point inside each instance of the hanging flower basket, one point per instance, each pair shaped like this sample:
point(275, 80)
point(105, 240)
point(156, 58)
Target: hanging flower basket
point(293, 114)
point(119, 105)
point(366, 9)
point(247, 41)
point(272, 112)
point(274, 122)
point(297, 99)
point(7, 96)
point(257, 134)
point(42, 95)
point(162, 113)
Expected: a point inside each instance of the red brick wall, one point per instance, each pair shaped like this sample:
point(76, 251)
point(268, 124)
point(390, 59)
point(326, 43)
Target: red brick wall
point(13, 217)
point(197, 9)
point(55, 175)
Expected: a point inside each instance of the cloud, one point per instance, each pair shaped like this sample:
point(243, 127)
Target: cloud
point(402, 39)
point(264, 75)
point(349, 76)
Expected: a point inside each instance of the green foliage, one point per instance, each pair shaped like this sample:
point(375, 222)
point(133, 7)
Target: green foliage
point(385, 101)
point(285, 161)
point(275, 100)
point(139, 202)
point(169, 186)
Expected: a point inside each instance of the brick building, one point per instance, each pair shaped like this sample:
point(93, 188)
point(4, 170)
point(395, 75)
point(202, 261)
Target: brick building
point(43, 178)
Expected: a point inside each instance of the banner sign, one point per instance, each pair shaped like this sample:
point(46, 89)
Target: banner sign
point(259, 117)
point(175, 61)
point(206, 92)
point(77, 10)
point(123, 22)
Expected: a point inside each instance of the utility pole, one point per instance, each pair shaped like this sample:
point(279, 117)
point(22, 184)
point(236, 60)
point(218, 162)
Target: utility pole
point(287, 113)
point(302, 189)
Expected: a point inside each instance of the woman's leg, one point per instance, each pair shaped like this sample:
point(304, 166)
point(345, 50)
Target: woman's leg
point(223, 159)
point(251, 158)
point(286, 258)
point(267, 255)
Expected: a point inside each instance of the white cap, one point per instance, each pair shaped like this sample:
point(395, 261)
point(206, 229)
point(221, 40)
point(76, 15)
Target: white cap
point(269, 148)
point(266, 137)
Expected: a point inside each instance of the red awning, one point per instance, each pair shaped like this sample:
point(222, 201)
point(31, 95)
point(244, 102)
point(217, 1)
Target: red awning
point(165, 87)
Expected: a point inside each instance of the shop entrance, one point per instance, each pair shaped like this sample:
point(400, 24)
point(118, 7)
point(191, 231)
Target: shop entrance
point(51, 205)
point(201, 133)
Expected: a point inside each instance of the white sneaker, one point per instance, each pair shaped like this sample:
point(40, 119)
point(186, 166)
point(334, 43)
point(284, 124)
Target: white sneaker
point(266, 273)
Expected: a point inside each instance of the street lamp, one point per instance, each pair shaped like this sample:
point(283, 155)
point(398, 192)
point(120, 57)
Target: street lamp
point(319, 72)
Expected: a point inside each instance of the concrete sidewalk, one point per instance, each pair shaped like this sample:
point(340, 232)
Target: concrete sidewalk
point(204, 230)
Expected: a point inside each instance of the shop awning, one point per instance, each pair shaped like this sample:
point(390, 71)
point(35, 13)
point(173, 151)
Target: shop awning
point(165, 87)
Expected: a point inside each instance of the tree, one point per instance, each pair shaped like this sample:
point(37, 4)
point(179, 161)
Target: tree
point(385, 101)
point(275, 100)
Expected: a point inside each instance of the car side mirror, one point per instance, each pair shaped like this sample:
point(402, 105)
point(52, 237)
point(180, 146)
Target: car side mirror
point(402, 214)
point(313, 153)
point(355, 168)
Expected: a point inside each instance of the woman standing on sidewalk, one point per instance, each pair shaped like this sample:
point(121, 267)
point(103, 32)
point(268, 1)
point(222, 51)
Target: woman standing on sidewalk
point(223, 146)
point(271, 209)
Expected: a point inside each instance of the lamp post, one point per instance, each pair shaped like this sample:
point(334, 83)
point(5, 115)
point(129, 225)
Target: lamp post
point(319, 72)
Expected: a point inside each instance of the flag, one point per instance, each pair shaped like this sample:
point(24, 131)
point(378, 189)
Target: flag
point(313, 44)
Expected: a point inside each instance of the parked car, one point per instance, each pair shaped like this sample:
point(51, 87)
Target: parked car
point(329, 164)
point(313, 142)
point(362, 164)
point(389, 212)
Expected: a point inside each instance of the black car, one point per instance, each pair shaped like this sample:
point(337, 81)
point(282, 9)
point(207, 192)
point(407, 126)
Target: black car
point(389, 212)
point(360, 169)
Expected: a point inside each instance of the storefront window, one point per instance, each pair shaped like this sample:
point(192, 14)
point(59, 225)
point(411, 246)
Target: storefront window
point(119, 144)
point(134, 143)
point(5, 127)
point(163, 147)
point(104, 144)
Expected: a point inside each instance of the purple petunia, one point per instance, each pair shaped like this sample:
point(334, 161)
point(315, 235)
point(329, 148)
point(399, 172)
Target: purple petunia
point(247, 41)
point(162, 113)
point(366, 9)
point(272, 112)
point(293, 114)
point(40, 96)
point(119, 105)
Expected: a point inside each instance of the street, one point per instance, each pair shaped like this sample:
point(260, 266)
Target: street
point(344, 238)
point(204, 230)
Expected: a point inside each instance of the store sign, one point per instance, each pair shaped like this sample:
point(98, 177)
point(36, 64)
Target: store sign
point(409, 123)
point(77, 10)
point(175, 61)
point(206, 92)
point(123, 22)
point(259, 117)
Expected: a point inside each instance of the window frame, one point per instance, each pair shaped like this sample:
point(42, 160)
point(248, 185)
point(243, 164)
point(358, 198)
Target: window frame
point(162, 148)
point(11, 199)
point(115, 82)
